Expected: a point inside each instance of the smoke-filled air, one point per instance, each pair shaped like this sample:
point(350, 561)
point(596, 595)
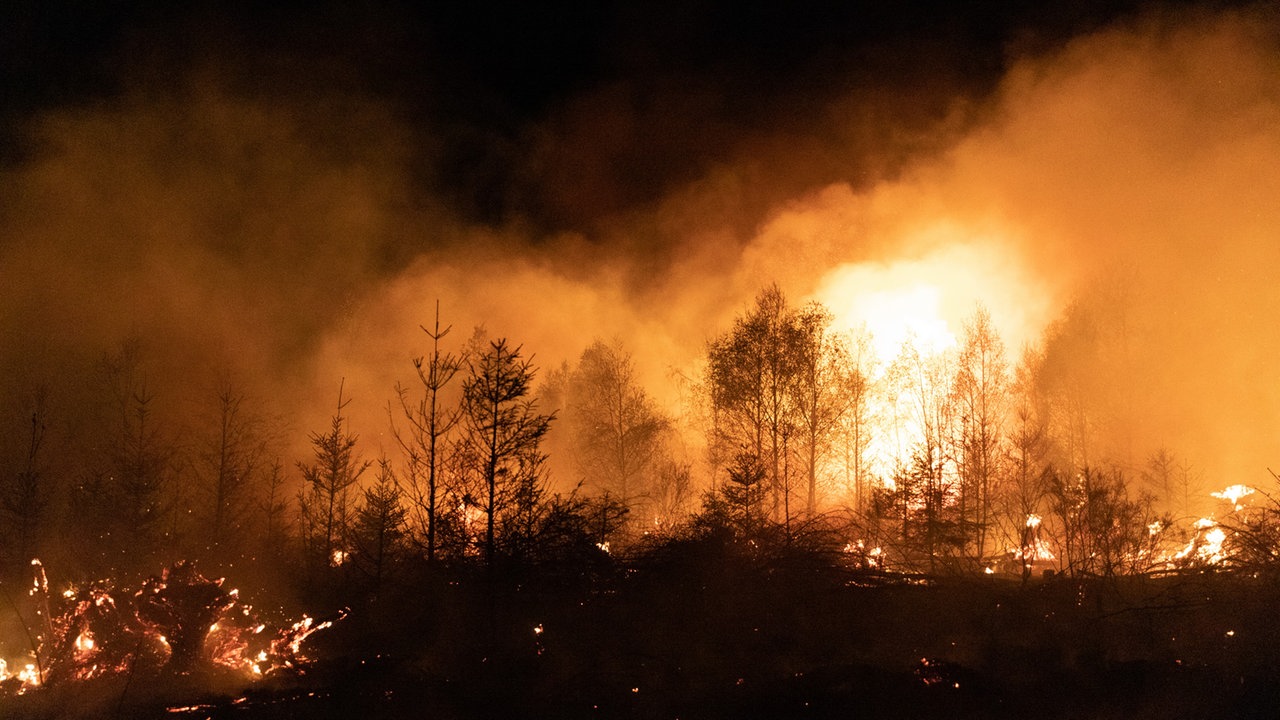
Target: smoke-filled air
point(331, 318)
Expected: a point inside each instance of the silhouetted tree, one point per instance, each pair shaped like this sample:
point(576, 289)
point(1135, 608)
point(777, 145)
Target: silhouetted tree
point(423, 440)
point(26, 494)
point(933, 533)
point(752, 378)
point(617, 430)
point(502, 427)
point(1101, 530)
point(924, 408)
point(227, 465)
point(378, 531)
point(828, 386)
point(1023, 492)
point(924, 413)
point(855, 427)
point(1175, 482)
point(325, 502)
point(980, 395)
point(273, 507)
point(522, 503)
point(119, 505)
point(743, 494)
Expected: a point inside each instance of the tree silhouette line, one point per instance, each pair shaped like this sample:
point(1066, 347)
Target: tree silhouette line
point(791, 438)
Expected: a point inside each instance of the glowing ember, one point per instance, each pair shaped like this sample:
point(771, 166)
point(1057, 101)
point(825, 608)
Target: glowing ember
point(936, 672)
point(84, 642)
point(179, 620)
point(184, 605)
point(872, 559)
point(286, 649)
point(26, 678)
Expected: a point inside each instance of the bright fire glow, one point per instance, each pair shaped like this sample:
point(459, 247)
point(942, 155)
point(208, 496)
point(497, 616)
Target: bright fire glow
point(27, 676)
point(928, 299)
point(1206, 543)
point(925, 301)
point(1233, 493)
point(911, 313)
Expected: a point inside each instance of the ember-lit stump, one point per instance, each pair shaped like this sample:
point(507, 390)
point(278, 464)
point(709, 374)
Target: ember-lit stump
point(182, 605)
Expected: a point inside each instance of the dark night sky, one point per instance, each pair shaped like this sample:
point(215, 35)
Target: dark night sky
point(495, 91)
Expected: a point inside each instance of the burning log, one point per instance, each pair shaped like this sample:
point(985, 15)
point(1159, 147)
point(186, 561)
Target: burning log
point(286, 649)
point(182, 605)
point(88, 638)
point(179, 621)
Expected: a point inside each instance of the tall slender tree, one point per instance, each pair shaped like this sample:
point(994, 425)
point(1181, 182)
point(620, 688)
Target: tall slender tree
point(827, 387)
point(378, 530)
point(980, 396)
point(326, 502)
point(136, 458)
point(923, 414)
point(26, 494)
point(228, 464)
point(502, 425)
point(429, 426)
point(751, 377)
point(273, 508)
point(855, 430)
point(617, 429)
point(1027, 481)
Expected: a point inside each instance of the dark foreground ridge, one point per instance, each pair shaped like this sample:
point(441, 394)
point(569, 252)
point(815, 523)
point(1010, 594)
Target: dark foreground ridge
point(706, 634)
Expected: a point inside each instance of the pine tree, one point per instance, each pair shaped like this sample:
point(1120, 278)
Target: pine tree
point(26, 496)
point(325, 504)
point(502, 426)
point(425, 438)
point(379, 526)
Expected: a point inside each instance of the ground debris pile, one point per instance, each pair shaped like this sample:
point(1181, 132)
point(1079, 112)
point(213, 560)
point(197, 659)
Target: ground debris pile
point(178, 629)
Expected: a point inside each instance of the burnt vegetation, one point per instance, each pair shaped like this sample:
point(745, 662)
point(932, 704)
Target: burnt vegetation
point(816, 532)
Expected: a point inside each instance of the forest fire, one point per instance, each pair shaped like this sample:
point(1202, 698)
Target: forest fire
point(178, 623)
point(879, 356)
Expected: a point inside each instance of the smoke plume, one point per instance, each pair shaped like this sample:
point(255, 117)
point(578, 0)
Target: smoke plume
point(289, 240)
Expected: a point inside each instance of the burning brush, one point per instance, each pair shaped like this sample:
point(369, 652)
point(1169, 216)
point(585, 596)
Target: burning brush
point(178, 622)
